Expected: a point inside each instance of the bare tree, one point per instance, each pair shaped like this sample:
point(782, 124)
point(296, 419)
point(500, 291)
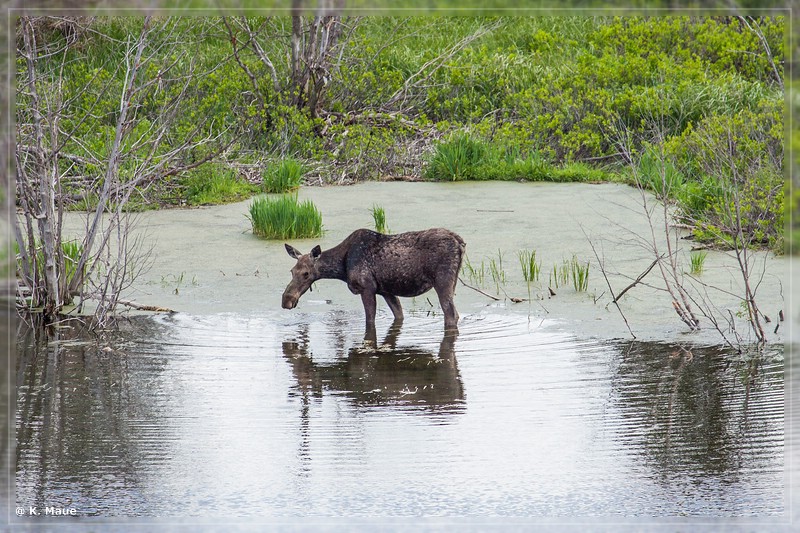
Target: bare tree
point(737, 217)
point(138, 155)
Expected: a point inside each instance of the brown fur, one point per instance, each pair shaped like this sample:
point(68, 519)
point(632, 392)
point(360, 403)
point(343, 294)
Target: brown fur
point(407, 264)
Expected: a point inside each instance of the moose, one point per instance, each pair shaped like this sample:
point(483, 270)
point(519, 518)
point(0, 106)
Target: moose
point(406, 264)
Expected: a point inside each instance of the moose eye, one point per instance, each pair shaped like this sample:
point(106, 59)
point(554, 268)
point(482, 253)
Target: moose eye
point(305, 274)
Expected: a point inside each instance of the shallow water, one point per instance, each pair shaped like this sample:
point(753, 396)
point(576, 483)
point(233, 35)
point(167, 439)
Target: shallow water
point(234, 409)
point(252, 416)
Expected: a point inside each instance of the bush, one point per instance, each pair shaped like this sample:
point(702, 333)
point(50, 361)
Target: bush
point(285, 218)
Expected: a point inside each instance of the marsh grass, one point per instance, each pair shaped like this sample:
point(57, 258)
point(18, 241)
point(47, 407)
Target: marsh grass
point(284, 177)
point(579, 273)
point(457, 159)
point(496, 271)
point(531, 269)
point(379, 218)
point(466, 157)
point(72, 251)
point(476, 275)
point(698, 260)
point(213, 184)
point(560, 275)
point(285, 218)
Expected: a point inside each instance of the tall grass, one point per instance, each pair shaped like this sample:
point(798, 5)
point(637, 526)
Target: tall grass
point(464, 157)
point(213, 184)
point(379, 217)
point(497, 272)
point(457, 159)
point(72, 252)
point(285, 218)
point(579, 274)
point(570, 270)
point(698, 260)
point(530, 267)
point(476, 274)
point(286, 176)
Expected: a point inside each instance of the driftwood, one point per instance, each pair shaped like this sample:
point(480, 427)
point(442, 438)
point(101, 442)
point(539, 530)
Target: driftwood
point(140, 307)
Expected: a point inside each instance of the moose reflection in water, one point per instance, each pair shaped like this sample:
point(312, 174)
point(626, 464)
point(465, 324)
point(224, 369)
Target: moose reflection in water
point(382, 374)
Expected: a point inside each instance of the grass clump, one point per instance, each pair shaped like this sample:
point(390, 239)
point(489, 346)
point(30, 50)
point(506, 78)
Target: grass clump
point(214, 184)
point(284, 177)
point(465, 157)
point(698, 260)
point(285, 217)
point(579, 274)
point(476, 274)
point(530, 267)
point(379, 217)
point(497, 272)
point(570, 270)
point(458, 159)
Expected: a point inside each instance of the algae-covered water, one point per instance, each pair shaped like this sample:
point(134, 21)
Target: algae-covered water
point(544, 411)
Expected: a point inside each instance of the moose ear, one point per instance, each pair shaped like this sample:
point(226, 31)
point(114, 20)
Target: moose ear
point(315, 251)
point(292, 251)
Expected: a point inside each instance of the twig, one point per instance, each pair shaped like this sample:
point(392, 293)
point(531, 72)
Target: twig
point(603, 271)
point(478, 290)
point(637, 280)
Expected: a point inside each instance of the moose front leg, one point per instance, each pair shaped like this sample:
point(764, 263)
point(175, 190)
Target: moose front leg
point(368, 299)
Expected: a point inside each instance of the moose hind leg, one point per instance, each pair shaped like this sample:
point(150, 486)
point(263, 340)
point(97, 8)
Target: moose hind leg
point(448, 307)
point(394, 305)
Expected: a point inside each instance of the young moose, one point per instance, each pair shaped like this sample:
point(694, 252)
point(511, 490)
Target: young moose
point(407, 264)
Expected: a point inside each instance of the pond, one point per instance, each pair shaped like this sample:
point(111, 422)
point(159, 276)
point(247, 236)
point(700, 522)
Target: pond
point(232, 409)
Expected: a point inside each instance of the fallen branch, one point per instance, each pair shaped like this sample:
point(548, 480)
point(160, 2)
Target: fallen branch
point(496, 299)
point(140, 307)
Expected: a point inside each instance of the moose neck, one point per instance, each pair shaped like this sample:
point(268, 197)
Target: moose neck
point(331, 263)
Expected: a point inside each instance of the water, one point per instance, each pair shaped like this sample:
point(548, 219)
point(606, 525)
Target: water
point(247, 416)
point(545, 412)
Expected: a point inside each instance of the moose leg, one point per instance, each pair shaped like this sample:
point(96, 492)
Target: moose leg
point(394, 305)
point(449, 308)
point(368, 299)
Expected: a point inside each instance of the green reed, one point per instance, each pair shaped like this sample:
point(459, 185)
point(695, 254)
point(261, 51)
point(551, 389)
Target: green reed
point(285, 217)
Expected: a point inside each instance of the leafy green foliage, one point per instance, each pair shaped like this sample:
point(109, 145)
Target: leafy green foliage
point(543, 98)
point(285, 217)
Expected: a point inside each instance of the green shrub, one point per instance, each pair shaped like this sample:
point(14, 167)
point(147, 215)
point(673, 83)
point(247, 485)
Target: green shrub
point(285, 218)
point(286, 176)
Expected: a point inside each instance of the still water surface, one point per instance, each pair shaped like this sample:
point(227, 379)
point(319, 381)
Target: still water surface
point(293, 415)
